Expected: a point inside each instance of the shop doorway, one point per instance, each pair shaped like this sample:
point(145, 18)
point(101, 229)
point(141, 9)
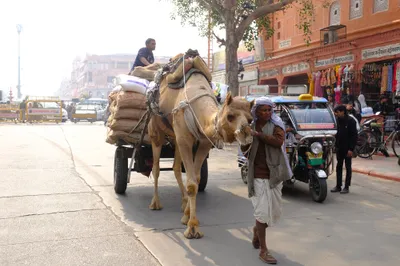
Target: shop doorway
point(273, 83)
point(378, 78)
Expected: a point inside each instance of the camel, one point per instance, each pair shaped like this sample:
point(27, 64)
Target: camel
point(217, 125)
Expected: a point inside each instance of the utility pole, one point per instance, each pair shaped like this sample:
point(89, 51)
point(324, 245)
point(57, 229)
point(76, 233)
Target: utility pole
point(19, 29)
point(210, 43)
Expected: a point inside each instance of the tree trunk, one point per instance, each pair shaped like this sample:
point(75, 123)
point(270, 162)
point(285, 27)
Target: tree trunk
point(231, 58)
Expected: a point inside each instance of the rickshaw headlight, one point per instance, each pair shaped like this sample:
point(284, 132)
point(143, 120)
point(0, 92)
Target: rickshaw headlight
point(316, 148)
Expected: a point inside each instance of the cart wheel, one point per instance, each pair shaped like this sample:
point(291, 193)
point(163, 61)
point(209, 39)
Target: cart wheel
point(120, 171)
point(203, 176)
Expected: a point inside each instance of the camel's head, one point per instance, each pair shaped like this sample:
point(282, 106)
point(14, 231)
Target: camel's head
point(234, 120)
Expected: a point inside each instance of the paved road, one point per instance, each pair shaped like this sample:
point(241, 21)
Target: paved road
point(60, 208)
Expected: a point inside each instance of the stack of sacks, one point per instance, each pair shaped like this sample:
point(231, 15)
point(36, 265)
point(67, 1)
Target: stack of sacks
point(147, 72)
point(126, 108)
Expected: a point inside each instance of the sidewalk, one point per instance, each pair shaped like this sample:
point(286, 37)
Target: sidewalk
point(379, 166)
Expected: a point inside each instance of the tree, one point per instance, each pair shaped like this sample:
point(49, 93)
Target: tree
point(242, 20)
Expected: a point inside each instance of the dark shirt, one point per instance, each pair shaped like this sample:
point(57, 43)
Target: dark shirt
point(381, 107)
point(346, 136)
point(147, 54)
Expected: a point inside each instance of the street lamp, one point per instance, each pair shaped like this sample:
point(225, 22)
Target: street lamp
point(19, 29)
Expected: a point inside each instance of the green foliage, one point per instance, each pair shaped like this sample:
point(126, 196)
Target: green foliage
point(306, 15)
point(196, 13)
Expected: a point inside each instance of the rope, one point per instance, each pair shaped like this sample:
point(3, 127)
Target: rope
point(187, 103)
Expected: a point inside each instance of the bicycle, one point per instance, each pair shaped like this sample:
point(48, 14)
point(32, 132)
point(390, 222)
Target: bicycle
point(371, 139)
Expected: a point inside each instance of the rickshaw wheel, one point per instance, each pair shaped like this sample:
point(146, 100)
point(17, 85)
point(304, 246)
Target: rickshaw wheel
point(120, 171)
point(244, 172)
point(318, 188)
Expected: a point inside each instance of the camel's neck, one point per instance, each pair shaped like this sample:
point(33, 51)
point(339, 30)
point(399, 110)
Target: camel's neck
point(211, 129)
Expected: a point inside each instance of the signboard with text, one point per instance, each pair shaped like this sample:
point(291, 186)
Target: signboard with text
point(335, 60)
point(42, 111)
point(294, 68)
point(382, 51)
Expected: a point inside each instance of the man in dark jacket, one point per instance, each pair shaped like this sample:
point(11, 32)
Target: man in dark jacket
point(346, 139)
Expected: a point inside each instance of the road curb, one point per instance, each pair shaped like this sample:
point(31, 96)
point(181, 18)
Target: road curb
point(377, 174)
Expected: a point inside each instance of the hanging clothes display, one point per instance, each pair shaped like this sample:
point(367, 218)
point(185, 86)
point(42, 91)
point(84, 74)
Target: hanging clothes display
point(318, 89)
point(390, 78)
point(398, 78)
point(385, 73)
point(311, 81)
point(394, 81)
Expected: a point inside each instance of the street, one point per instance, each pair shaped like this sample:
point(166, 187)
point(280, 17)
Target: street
point(58, 207)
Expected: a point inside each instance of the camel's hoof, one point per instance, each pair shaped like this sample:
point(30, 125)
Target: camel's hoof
point(155, 204)
point(184, 204)
point(193, 233)
point(185, 219)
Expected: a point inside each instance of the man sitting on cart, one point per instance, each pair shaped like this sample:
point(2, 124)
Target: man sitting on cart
point(145, 55)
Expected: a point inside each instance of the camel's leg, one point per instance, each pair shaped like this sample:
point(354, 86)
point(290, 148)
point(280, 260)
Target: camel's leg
point(178, 175)
point(201, 154)
point(185, 148)
point(155, 202)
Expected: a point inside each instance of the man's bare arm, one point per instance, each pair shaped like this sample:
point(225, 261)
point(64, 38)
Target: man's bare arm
point(144, 61)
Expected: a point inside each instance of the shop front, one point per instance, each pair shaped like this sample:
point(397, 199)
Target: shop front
point(296, 77)
point(380, 73)
point(249, 78)
point(335, 77)
point(270, 77)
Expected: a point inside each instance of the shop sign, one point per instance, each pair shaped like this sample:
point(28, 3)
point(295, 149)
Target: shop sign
point(269, 73)
point(335, 60)
point(285, 43)
point(387, 50)
point(294, 68)
point(259, 89)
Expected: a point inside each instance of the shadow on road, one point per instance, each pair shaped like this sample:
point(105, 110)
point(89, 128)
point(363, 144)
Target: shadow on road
point(225, 218)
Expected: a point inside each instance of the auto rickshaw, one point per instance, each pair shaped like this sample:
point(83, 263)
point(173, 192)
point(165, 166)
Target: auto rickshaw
point(310, 146)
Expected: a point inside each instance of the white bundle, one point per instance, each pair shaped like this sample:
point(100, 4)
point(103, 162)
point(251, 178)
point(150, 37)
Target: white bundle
point(132, 83)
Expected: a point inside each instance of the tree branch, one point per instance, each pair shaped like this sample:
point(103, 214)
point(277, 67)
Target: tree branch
point(260, 12)
point(221, 41)
point(213, 4)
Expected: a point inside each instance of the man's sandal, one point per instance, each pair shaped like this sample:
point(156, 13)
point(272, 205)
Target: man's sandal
point(255, 241)
point(268, 258)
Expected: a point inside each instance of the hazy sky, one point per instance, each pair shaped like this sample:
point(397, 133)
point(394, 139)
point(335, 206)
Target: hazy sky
point(55, 31)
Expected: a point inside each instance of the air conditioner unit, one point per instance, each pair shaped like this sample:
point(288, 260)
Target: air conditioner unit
point(330, 37)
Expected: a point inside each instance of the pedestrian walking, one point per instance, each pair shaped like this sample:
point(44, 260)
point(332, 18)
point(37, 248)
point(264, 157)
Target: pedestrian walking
point(346, 138)
point(268, 168)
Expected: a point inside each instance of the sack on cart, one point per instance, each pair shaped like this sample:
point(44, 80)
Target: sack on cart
point(132, 83)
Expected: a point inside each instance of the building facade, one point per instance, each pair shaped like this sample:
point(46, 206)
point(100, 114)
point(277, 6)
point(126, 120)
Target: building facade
point(93, 75)
point(355, 43)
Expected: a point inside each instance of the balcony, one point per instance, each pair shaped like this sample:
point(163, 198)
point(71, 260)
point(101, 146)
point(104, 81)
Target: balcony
point(333, 34)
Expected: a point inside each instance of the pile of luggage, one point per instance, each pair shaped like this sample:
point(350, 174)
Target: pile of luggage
point(127, 105)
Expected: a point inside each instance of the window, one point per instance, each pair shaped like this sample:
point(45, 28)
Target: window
point(381, 5)
point(334, 18)
point(356, 9)
point(90, 78)
point(278, 36)
point(279, 25)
